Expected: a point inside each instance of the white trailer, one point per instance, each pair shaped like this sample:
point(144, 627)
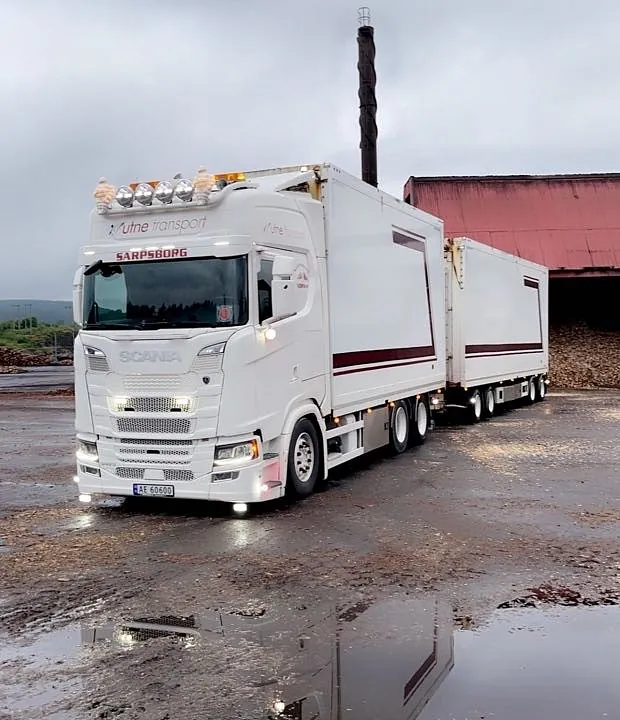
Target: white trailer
point(243, 334)
point(496, 327)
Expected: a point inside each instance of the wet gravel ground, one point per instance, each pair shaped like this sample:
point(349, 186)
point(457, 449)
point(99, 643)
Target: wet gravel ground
point(521, 511)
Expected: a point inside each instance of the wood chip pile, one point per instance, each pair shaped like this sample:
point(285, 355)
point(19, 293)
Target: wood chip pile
point(17, 359)
point(581, 358)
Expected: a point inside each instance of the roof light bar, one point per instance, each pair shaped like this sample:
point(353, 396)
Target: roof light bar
point(165, 192)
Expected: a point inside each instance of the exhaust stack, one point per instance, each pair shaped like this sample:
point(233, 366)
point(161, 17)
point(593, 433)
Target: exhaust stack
point(367, 97)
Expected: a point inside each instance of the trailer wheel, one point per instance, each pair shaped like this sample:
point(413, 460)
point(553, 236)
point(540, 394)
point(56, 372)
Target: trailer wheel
point(399, 427)
point(489, 402)
point(476, 406)
point(304, 460)
point(419, 427)
point(531, 392)
point(541, 388)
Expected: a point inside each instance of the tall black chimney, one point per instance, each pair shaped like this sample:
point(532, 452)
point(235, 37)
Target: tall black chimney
point(368, 99)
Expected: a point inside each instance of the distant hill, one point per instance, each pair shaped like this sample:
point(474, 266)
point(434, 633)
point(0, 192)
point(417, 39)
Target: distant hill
point(54, 312)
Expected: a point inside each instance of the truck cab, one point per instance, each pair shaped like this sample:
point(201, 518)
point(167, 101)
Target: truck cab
point(201, 310)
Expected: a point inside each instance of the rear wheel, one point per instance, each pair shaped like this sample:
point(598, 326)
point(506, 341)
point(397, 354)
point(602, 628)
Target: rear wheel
point(541, 388)
point(475, 406)
point(531, 392)
point(399, 427)
point(489, 402)
point(419, 427)
point(303, 459)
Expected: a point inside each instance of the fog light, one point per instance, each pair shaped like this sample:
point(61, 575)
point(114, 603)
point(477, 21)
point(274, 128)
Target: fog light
point(85, 498)
point(240, 508)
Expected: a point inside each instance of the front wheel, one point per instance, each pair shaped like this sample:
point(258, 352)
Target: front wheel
point(303, 459)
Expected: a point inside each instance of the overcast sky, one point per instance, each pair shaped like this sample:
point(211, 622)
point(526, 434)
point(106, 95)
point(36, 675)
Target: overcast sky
point(145, 88)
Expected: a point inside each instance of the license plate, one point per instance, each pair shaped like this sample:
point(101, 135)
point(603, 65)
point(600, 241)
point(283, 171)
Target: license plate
point(154, 490)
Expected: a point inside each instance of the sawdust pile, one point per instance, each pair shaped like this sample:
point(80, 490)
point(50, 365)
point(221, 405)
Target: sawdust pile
point(582, 358)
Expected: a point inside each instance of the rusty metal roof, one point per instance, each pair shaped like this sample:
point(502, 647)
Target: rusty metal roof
point(570, 223)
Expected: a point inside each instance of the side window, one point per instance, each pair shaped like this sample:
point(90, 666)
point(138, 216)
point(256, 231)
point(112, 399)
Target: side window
point(265, 278)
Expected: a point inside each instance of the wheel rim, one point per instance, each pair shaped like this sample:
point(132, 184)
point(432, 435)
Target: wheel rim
point(422, 419)
point(490, 401)
point(400, 425)
point(304, 457)
point(477, 405)
point(532, 391)
point(542, 388)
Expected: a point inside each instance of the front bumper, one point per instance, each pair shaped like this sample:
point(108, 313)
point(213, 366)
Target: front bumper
point(255, 482)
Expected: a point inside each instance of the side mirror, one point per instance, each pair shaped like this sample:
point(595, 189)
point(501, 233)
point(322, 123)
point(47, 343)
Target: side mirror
point(289, 287)
point(77, 297)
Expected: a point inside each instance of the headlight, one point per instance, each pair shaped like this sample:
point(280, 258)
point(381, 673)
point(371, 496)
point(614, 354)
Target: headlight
point(184, 190)
point(93, 352)
point(144, 194)
point(87, 452)
point(212, 350)
point(124, 196)
point(237, 454)
point(164, 192)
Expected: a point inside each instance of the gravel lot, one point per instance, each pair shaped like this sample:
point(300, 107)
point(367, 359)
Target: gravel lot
point(477, 518)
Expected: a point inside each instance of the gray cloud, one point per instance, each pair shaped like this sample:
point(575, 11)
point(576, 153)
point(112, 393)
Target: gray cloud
point(147, 89)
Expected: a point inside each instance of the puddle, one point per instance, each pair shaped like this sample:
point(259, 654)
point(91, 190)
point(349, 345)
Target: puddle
point(558, 664)
point(391, 660)
point(33, 683)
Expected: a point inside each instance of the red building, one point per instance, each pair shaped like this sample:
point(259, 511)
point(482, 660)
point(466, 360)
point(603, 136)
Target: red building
point(570, 223)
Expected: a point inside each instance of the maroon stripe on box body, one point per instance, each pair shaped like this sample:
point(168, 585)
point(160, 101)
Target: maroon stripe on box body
point(350, 371)
point(392, 355)
point(531, 283)
point(500, 348)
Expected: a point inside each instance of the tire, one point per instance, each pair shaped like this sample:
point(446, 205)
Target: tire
point(531, 392)
point(304, 459)
point(541, 388)
point(399, 428)
point(489, 402)
point(476, 406)
point(421, 421)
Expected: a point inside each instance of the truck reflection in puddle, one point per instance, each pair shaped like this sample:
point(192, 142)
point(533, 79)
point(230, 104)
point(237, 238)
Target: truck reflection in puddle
point(359, 661)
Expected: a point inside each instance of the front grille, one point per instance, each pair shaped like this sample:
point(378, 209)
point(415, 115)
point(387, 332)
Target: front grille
point(130, 473)
point(154, 405)
point(170, 475)
point(178, 475)
point(158, 443)
point(153, 426)
point(152, 453)
point(98, 364)
point(136, 384)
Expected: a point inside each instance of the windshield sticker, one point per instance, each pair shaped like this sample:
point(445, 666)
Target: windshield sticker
point(300, 277)
point(156, 254)
point(224, 313)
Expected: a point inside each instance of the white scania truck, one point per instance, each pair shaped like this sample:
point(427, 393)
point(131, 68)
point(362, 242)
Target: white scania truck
point(243, 334)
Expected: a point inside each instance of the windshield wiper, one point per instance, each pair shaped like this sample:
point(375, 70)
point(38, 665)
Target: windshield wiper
point(113, 326)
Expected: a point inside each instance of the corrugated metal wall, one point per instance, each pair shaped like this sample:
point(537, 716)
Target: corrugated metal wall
point(570, 223)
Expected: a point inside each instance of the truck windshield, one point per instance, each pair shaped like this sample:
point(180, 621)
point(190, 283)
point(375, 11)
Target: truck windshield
point(192, 292)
